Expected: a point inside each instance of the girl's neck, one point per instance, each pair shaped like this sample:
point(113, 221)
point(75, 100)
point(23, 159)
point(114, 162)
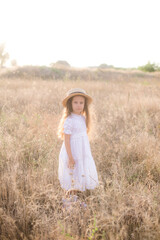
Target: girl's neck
point(76, 114)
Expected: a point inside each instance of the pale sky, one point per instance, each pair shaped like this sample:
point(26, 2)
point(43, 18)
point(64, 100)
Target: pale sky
point(123, 33)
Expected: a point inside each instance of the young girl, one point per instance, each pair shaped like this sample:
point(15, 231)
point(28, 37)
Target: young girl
point(77, 169)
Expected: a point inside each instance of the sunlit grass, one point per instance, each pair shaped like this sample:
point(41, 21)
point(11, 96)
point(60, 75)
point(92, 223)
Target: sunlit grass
point(125, 143)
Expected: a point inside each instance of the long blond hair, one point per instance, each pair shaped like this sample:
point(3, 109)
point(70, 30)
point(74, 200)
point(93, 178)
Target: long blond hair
point(67, 111)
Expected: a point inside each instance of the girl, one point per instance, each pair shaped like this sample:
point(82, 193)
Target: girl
point(77, 170)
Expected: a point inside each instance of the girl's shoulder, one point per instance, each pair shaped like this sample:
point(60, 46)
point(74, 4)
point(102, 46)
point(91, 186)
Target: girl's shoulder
point(68, 119)
point(83, 117)
point(68, 127)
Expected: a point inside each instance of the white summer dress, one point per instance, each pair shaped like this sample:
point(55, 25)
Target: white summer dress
point(84, 175)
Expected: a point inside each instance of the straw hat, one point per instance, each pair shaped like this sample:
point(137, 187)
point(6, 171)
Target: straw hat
point(74, 92)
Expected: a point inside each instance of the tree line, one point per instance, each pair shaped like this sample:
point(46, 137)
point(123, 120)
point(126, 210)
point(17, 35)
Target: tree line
point(4, 56)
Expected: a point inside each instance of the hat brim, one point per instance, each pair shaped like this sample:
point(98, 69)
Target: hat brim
point(75, 94)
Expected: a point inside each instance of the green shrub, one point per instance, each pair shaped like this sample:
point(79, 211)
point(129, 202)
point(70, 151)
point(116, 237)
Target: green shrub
point(149, 67)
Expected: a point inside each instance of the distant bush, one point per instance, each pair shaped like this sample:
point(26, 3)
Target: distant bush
point(60, 63)
point(14, 63)
point(149, 67)
point(104, 65)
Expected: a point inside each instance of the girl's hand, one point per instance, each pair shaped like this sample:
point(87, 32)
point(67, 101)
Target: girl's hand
point(71, 163)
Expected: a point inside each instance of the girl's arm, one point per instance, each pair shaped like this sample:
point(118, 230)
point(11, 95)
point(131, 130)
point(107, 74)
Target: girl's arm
point(68, 149)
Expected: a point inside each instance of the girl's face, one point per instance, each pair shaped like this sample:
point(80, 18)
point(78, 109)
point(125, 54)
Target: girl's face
point(78, 104)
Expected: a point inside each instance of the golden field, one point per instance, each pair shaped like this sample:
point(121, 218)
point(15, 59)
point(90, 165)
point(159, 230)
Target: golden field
point(125, 144)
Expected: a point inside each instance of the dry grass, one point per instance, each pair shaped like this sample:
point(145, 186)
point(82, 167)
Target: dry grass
point(125, 144)
point(72, 73)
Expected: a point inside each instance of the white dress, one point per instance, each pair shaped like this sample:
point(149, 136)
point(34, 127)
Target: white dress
point(84, 175)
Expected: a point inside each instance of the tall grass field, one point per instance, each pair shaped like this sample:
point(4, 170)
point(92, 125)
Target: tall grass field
point(125, 144)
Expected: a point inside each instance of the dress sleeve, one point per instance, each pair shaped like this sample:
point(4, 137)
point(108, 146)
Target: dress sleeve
point(68, 126)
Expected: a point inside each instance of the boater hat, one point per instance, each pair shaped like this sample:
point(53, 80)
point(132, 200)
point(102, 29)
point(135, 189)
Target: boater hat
point(74, 92)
